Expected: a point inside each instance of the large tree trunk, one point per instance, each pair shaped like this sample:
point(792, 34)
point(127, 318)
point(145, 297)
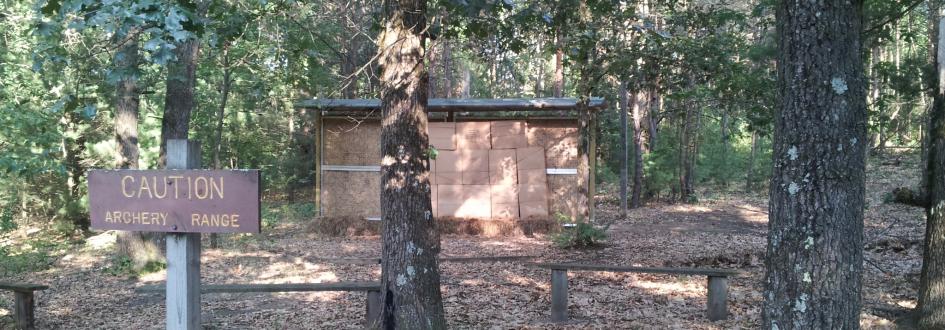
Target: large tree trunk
point(140, 247)
point(931, 307)
point(814, 255)
point(410, 280)
point(932, 21)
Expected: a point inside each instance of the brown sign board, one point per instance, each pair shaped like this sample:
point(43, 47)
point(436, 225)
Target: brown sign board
point(177, 201)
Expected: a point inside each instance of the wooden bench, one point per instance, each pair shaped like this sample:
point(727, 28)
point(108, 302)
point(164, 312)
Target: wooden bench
point(717, 308)
point(373, 289)
point(24, 305)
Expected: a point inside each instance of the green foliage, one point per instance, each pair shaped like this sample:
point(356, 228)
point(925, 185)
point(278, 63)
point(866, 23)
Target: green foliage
point(123, 266)
point(275, 212)
point(582, 235)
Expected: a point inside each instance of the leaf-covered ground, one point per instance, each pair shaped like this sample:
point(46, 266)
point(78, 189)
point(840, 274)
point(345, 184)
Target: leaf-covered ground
point(725, 232)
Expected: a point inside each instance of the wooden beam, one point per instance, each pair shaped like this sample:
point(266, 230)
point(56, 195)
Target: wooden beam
point(274, 287)
point(717, 302)
point(319, 137)
point(647, 270)
point(458, 105)
point(559, 295)
point(22, 287)
point(23, 310)
point(592, 164)
point(183, 252)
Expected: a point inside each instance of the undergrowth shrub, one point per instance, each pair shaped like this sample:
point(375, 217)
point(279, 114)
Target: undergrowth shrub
point(582, 234)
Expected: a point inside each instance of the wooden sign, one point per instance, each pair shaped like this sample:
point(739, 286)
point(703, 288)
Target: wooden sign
point(181, 201)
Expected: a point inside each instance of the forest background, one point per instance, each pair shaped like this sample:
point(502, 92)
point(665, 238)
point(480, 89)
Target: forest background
point(697, 77)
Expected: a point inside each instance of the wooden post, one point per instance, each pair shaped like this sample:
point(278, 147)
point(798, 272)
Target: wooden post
point(183, 253)
point(624, 153)
point(373, 317)
point(592, 164)
point(718, 298)
point(319, 136)
point(24, 310)
point(559, 295)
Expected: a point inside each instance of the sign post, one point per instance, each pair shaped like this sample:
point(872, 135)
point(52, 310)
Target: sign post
point(184, 202)
point(183, 252)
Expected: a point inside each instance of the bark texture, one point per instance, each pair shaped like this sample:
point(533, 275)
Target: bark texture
point(638, 108)
point(410, 280)
point(179, 99)
point(140, 247)
point(814, 256)
point(931, 307)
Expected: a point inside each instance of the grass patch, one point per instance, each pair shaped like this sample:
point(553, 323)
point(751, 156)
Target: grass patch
point(124, 266)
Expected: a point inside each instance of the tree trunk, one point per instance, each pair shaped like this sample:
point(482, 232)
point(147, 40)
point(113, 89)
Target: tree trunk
point(624, 147)
point(179, 99)
point(932, 21)
point(814, 255)
point(410, 280)
point(126, 106)
point(656, 108)
point(559, 64)
point(638, 106)
point(725, 143)
point(140, 247)
point(931, 307)
point(750, 178)
point(447, 70)
point(221, 115)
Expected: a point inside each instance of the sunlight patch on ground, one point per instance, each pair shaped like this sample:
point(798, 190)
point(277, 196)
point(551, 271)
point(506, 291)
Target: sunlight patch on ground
point(688, 289)
point(102, 241)
point(80, 260)
point(688, 208)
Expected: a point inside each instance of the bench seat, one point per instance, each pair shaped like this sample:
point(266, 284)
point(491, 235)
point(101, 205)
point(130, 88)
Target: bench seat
point(717, 302)
point(24, 305)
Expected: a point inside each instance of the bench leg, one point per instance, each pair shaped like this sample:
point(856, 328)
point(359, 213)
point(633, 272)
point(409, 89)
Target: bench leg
point(559, 295)
point(373, 317)
point(24, 310)
point(718, 298)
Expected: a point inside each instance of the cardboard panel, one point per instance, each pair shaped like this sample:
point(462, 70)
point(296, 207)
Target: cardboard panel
point(442, 135)
point(559, 138)
point(504, 201)
point(475, 164)
point(530, 158)
point(536, 176)
point(531, 165)
point(445, 178)
point(508, 134)
point(432, 172)
point(448, 168)
point(464, 201)
point(475, 178)
point(448, 161)
point(502, 167)
point(533, 200)
point(434, 200)
point(473, 135)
